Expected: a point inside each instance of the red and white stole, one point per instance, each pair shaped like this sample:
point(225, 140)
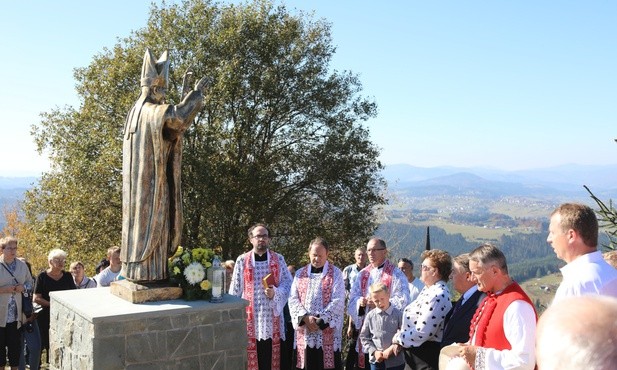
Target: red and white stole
point(327, 281)
point(249, 284)
point(386, 278)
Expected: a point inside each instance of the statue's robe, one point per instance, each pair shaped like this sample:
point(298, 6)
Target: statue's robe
point(151, 194)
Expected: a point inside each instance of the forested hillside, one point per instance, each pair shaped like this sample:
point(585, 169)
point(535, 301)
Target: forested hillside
point(528, 255)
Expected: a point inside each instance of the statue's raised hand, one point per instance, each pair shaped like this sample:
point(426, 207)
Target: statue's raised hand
point(201, 84)
point(186, 81)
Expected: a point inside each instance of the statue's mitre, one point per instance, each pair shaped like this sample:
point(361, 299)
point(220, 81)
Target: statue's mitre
point(155, 73)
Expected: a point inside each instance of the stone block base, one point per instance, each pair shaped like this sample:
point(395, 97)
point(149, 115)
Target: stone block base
point(140, 293)
point(94, 329)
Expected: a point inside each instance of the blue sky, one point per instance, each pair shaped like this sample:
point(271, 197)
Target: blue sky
point(507, 85)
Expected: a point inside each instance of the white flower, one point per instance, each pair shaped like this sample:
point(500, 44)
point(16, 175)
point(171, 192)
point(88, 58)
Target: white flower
point(194, 273)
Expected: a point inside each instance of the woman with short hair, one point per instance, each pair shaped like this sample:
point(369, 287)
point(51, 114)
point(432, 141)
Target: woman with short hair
point(423, 319)
point(79, 276)
point(13, 275)
point(51, 280)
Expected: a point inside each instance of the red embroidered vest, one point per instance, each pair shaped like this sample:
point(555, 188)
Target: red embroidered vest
point(490, 322)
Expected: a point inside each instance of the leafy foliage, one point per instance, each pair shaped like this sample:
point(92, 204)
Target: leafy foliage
point(526, 254)
point(280, 139)
point(607, 218)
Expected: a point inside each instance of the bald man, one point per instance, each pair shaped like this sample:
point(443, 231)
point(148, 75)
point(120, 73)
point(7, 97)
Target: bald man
point(578, 333)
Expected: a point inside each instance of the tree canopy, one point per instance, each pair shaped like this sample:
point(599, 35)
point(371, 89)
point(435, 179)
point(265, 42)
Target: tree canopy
point(280, 140)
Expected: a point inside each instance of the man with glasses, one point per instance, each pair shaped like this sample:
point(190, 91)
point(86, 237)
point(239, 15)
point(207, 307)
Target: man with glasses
point(265, 322)
point(378, 270)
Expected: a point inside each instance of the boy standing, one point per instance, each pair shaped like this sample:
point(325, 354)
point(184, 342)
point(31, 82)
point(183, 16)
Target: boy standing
point(378, 329)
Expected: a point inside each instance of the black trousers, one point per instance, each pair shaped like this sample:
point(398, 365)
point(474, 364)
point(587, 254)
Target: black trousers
point(287, 354)
point(425, 357)
point(10, 339)
point(313, 359)
point(351, 360)
point(264, 354)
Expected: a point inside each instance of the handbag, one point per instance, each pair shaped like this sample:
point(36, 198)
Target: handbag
point(26, 297)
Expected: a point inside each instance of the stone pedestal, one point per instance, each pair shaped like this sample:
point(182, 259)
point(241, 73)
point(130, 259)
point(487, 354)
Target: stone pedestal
point(93, 329)
point(140, 293)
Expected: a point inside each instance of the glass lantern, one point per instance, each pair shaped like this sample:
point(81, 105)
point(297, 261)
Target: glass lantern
point(216, 275)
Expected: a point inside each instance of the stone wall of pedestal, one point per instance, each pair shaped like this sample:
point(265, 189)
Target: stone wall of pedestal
point(93, 329)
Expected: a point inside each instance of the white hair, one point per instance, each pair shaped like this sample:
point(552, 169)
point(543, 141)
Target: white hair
point(578, 333)
point(55, 253)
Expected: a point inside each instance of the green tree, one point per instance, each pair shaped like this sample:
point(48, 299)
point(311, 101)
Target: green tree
point(607, 218)
point(281, 138)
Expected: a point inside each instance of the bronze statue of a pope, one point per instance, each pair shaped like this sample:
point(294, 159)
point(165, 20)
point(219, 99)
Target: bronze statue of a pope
point(151, 163)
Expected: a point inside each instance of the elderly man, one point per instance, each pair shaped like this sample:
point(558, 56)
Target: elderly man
point(316, 304)
point(578, 333)
point(456, 328)
point(573, 234)
point(503, 330)
point(264, 315)
point(378, 270)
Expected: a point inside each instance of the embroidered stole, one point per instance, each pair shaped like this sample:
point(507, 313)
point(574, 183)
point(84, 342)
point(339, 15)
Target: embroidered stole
point(249, 284)
point(386, 278)
point(327, 281)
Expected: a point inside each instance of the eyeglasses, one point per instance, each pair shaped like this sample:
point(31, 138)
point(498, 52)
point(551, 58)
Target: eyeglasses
point(260, 236)
point(376, 249)
point(426, 268)
point(57, 260)
point(10, 248)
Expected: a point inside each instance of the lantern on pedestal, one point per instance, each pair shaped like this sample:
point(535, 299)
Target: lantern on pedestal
point(216, 275)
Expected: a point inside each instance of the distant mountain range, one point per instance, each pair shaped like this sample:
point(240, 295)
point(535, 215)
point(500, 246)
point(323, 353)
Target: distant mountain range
point(567, 180)
point(12, 183)
point(553, 181)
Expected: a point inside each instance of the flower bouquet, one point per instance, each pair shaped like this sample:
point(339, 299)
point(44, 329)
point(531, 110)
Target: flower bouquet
point(187, 268)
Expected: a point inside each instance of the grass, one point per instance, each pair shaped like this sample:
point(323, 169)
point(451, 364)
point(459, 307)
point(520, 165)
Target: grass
point(542, 289)
point(469, 232)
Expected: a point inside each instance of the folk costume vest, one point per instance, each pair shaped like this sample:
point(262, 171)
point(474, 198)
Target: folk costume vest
point(487, 322)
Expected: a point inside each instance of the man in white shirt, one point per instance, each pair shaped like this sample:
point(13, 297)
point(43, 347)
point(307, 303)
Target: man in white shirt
point(573, 234)
point(379, 269)
point(415, 284)
point(316, 305)
point(350, 273)
point(503, 330)
point(111, 272)
point(265, 321)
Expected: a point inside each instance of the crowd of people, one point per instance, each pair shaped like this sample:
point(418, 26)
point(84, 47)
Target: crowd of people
point(24, 338)
point(296, 319)
point(398, 321)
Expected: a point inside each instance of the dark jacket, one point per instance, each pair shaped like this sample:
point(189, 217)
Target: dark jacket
point(456, 328)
